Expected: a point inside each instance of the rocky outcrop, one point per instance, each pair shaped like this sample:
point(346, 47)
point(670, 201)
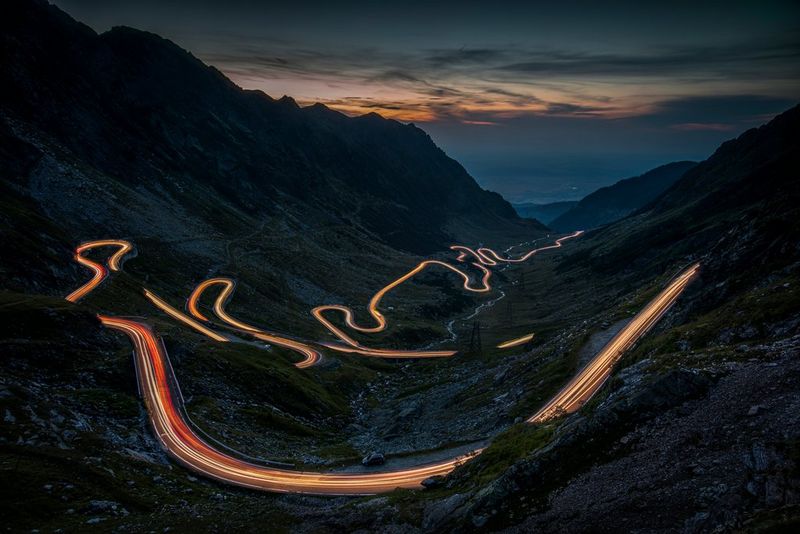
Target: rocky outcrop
point(373, 458)
point(681, 452)
point(580, 442)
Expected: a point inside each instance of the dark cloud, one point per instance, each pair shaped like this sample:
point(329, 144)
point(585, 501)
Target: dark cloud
point(462, 56)
point(731, 109)
point(736, 60)
point(395, 75)
point(572, 109)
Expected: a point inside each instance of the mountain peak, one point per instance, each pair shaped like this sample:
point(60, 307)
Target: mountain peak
point(136, 107)
point(289, 101)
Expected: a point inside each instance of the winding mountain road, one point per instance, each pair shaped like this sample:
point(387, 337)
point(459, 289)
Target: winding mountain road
point(310, 355)
point(161, 394)
point(485, 257)
point(114, 263)
point(586, 383)
point(164, 406)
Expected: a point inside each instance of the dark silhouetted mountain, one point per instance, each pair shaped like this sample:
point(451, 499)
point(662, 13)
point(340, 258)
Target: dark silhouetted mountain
point(130, 107)
point(544, 213)
point(739, 207)
point(612, 203)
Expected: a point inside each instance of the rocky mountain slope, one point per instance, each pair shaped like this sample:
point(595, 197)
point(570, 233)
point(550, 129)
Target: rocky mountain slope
point(697, 431)
point(609, 204)
point(126, 135)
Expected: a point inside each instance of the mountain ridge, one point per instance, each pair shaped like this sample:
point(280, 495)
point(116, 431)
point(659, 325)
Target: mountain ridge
point(613, 202)
point(141, 109)
point(725, 352)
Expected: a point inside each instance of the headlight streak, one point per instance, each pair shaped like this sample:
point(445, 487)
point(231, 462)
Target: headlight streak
point(311, 355)
point(589, 380)
point(484, 256)
point(381, 323)
point(100, 272)
point(182, 317)
point(515, 342)
point(182, 442)
point(487, 256)
point(159, 387)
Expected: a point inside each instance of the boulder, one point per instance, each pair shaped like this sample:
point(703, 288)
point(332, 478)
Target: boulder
point(433, 482)
point(373, 458)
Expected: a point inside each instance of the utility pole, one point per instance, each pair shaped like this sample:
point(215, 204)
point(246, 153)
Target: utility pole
point(475, 345)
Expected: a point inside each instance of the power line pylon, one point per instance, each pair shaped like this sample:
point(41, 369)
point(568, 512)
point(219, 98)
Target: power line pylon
point(475, 345)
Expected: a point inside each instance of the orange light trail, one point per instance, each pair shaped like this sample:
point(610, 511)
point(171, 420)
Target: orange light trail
point(586, 383)
point(99, 271)
point(515, 342)
point(389, 353)
point(487, 256)
point(165, 408)
point(483, 260)
point(159, 386)
point(311, 356)
point(182, 317)
point(372, 307)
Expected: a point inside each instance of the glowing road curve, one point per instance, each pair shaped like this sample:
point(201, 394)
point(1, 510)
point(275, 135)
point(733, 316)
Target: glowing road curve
point(164, 405)
point(161, 394)
point(483, 257)
point(581, 388)
point(100, 272)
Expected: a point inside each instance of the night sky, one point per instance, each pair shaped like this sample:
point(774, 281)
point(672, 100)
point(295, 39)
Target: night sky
point(540, 102)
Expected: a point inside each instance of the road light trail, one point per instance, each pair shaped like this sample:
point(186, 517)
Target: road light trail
point(165, 408)
point(311, 356)
point(182, 317)
point(586, 383)
point(515, 342)
point(100, 272)
point(372, 308)
point(487, 256)
point(159, 390)
point(350, 344)
point(389, 353)
point(162, 397)
point(483, 258)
